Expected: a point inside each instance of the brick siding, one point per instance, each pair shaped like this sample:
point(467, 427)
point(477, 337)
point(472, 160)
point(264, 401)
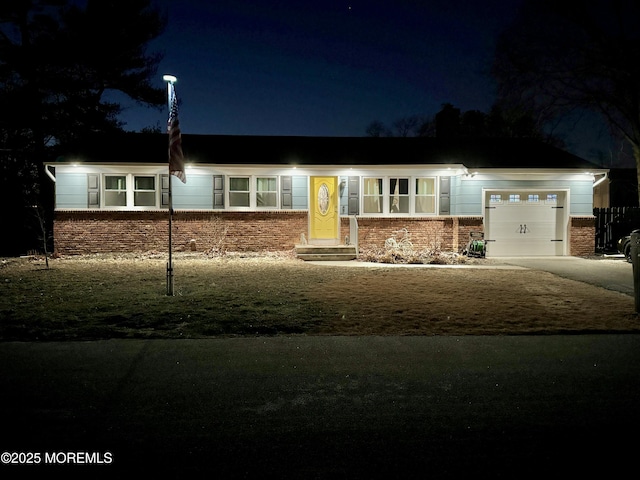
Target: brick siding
point(582, 234)
point(429, 233)
point(112, 231)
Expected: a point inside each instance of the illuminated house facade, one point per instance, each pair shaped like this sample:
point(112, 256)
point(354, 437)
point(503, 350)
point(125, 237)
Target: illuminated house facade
point(257, 193)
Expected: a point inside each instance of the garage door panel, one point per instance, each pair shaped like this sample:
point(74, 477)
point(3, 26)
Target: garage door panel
point(524, 247)
point(524, 229)
point(530, 229)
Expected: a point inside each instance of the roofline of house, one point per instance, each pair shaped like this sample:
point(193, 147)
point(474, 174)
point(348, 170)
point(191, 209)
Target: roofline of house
point(130, 147)
point(412, 166)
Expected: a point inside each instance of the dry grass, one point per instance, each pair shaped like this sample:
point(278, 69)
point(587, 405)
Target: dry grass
point(110, 296)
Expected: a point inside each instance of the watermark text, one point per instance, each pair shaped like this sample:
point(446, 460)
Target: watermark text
point(56, 458)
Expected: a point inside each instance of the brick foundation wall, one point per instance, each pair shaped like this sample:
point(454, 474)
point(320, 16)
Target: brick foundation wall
point(466, 225)
point(444, 233)
point(111, 231)
point(108, 231)
point(582, 234)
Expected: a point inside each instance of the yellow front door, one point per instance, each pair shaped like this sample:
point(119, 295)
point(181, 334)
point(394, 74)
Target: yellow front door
point(324, 220)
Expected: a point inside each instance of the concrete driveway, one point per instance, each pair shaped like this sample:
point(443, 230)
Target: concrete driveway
point(610, 273)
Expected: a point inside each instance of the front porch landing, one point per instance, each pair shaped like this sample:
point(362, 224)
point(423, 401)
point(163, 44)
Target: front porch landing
point(326, 252)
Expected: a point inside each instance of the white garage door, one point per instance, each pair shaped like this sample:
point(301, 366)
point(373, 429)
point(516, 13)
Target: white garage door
point(525, 223)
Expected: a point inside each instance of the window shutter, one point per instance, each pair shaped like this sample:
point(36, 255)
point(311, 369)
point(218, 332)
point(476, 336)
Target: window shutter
point(445, 202)
point(286, 192)
point(164, 191)
point(93, 190)
point(354, 196)
point(218, 191)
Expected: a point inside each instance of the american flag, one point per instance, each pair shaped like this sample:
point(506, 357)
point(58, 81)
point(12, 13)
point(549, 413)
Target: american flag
point(176, 157)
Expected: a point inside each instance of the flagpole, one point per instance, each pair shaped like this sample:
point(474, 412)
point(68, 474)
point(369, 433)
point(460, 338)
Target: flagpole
point(170, 79)
point(176, 164)
point(170, 264)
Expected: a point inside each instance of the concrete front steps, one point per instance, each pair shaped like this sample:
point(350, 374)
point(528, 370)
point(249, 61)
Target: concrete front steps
point(326, 252)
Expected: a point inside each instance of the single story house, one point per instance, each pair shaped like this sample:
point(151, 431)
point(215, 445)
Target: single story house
point(251, 193)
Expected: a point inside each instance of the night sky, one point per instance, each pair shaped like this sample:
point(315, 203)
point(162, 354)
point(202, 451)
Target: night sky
point(324, 68)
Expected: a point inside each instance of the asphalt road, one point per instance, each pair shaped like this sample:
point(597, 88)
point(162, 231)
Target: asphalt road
point(323, 407)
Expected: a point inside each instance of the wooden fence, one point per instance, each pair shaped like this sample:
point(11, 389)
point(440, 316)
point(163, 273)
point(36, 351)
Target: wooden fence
point(613, 223)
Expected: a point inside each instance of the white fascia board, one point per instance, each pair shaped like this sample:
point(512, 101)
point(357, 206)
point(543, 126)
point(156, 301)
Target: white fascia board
point(540, 171)
point(382, 170)
point(111, 168)
point(533, 174)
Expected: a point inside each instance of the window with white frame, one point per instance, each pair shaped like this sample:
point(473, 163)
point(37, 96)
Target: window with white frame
point(144, 191)
point(372, 198)
point(239, 193)
point(130, 190)
point(425, 199)
point(399, 195)
point(266, 192)
point(115, 191)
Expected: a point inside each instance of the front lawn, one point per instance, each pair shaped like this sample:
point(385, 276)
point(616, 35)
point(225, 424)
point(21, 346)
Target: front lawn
point(124, 296)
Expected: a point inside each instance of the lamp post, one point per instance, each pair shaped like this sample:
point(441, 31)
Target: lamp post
point(170, 79)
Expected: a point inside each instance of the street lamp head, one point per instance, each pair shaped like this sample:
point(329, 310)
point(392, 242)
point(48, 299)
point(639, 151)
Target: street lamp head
point(169, 78)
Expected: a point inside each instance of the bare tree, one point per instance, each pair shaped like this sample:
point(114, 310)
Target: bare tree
point(561, 56)
point(43, 231)
point(377, 129)
point(411, 126)
point(408, 126)
point(514, 122)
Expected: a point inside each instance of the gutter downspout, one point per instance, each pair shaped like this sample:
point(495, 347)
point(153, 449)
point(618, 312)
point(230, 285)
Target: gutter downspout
point(49, 174)
point(605, 175)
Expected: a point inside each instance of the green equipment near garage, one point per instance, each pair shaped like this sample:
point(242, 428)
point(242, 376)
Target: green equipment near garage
point(476, 245)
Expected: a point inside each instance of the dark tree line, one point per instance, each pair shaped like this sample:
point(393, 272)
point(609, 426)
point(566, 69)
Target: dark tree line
point(500, 122)
point(560, 57)
point(58, 60)
point(558, 60)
